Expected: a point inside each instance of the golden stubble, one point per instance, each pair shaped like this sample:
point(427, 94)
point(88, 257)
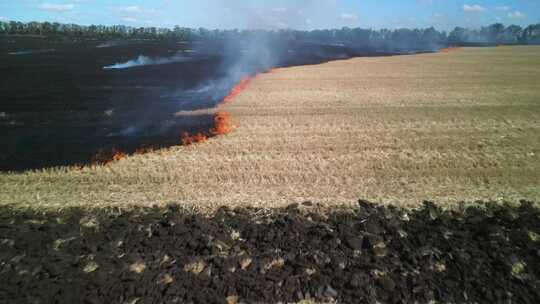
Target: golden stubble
point(449, 127)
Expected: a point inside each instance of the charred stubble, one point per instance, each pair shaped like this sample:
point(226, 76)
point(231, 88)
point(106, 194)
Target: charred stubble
point(451, 126)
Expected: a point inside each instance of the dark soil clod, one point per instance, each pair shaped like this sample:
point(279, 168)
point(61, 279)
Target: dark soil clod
point(483, 254)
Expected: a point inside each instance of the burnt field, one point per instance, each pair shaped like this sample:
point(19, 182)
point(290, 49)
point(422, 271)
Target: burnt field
point(481, 253)
point(64, 102)
point(267, 214)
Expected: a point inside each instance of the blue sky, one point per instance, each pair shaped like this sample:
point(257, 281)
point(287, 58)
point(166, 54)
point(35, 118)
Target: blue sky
point(299, 14)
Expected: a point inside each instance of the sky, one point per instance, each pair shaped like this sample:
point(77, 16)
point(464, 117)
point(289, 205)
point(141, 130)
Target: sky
point(276, 14)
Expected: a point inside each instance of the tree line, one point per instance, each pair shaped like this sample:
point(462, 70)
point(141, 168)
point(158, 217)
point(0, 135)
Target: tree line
point(355, 37)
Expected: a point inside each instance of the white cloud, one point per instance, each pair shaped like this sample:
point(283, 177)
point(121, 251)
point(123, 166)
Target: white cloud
point(475, 8)
point(281, 25)
point(133, 9)
point(350, 17)
point(129, 19)
point(503, 8)
point(2, 18)
point(516, 15)
point(56, 7)
point(279, 10)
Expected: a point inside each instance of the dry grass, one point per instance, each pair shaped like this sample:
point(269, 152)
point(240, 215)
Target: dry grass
point(455, 126)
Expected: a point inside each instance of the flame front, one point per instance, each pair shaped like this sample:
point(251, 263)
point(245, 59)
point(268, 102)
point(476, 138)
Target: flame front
point(105, 158)
point(188, 139)
point(222, 120)
point(222, 126)
point(237, 89)
point(222, 123)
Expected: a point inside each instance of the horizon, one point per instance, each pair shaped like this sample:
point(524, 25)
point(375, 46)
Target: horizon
point(277, 29)
point(296, 14)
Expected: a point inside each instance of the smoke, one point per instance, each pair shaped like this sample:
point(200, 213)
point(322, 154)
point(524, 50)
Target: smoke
point(143, 61)
point(28, 52)
point(245, 53)
point(109, 44)
point(268, 45)
point(245, 58)
point(239, 57)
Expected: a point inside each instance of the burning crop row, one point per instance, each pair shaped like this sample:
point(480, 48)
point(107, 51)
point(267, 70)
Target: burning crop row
point(104, 158)
point(222, 125)
point(241, 86)
point(222, 120)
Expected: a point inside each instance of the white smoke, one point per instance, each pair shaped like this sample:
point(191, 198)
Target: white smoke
point(109, 44)
point(143, 61)
point(27, 52)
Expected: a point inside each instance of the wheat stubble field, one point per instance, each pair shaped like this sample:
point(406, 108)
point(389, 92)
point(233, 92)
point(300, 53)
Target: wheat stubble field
point(448, 127)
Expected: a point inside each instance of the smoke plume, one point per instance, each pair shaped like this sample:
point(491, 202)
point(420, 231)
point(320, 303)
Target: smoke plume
point(143, 61)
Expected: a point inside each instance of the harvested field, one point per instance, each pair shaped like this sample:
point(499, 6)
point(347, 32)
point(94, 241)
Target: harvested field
point(449, 127)
point(366, 254)
point(212, 222)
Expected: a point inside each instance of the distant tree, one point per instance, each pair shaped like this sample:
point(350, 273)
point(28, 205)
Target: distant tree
point(356, 38)
point(510, 35)
point(458, 36)
point(492, 32)
point(531, 34)
point(3, 27)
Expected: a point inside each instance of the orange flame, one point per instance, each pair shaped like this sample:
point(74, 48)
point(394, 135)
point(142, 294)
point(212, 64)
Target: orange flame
point(222, 125)
point(237, 89)
point(222, 120)
point(118, 155)
point(141, 151)
point(188, 139)
point(105, 158)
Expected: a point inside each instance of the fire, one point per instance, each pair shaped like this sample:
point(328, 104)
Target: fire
point(222, 120)
point(222, 125)
point(118, 155)
point(141, 151)
point(105, 158)
point(242, 85)
point(188, 139)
